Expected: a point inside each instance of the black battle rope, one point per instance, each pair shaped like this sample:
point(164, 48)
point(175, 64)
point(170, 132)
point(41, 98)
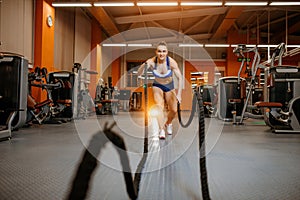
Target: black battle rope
point(203, 172)
point(191, 115)
point(138, 173)
point(89, 163)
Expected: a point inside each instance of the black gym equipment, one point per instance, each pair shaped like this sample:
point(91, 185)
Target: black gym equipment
point(47, 110)
point(65, 95)
point(124, 99)
point(230, 104)
point(13, 92)
point(107, 100)
point(283, 83)
point(247, 94)
point(210, 99)
point(249, 90)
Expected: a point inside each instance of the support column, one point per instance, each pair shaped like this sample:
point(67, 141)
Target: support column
point(43, 39)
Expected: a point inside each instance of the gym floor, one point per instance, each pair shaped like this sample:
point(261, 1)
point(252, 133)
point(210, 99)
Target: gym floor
point(243, 162)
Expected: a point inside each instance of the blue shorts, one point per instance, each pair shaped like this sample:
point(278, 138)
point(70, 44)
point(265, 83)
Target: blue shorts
point(164, 87)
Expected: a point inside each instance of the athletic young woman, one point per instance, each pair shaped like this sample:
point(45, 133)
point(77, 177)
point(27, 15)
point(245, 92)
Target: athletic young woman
point(163, 68)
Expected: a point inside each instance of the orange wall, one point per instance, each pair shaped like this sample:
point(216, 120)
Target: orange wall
point(233, 66)
point(201, 66)
point(96, 39)
point(43, 41)
point(116, 71)
point(96, 34)
point(44, 36)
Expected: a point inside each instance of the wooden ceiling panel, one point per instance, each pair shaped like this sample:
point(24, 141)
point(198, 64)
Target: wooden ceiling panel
point(232, 14)
point(200, 23)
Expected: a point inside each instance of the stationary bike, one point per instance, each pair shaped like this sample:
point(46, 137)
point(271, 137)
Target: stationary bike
point(45, 111)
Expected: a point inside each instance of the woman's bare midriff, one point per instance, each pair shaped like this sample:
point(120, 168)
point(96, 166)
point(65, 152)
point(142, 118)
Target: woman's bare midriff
point(164, 81)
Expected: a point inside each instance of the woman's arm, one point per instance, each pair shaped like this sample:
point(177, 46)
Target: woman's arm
point(140, 70)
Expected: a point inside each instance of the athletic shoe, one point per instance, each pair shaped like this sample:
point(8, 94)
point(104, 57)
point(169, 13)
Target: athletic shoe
point(169, 129)
point(162, 134)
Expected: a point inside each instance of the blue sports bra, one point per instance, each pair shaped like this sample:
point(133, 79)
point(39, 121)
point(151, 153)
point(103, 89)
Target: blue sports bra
point(159, 75)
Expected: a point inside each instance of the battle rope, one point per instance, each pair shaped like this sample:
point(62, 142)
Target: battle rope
point(138, 172)
point(89, 163)
point(203, 172)
point(191, 115)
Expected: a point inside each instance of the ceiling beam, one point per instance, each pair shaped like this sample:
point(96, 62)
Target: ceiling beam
point(197, 24)
point(204, 36)
point(292, 29)
point(212, 24)
point(278, 20)
point(104, 19)
point(229, 20)
point(264, 11)
point(168, 30)
point(171, 15)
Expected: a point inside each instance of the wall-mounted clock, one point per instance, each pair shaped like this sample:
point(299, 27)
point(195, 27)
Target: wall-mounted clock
point(49, 21)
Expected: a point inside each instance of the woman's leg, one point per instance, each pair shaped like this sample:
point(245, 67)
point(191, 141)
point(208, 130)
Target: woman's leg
point(172, 105)
point(159, 101)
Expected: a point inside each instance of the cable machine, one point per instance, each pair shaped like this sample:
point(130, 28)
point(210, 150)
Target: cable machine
point(13, 92)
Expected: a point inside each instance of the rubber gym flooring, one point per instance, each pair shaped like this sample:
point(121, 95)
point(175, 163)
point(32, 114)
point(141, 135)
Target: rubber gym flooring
point(243, 162)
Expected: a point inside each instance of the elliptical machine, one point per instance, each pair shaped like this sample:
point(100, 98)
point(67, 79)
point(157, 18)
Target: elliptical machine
point(249, 86)
point(283, 87)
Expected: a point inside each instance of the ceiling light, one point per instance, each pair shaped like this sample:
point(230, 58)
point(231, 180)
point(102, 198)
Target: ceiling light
point(114, 4)
point(236, 3)
point(190, 45)
point(216, 45)
point(250, 45)
point(114, 45)
point(266, 45)
point(201, 3)
point(71, 4)
point(247, 45)
point(139, 45)
point(157, 4)
point(284, 3)
point(293, 46)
